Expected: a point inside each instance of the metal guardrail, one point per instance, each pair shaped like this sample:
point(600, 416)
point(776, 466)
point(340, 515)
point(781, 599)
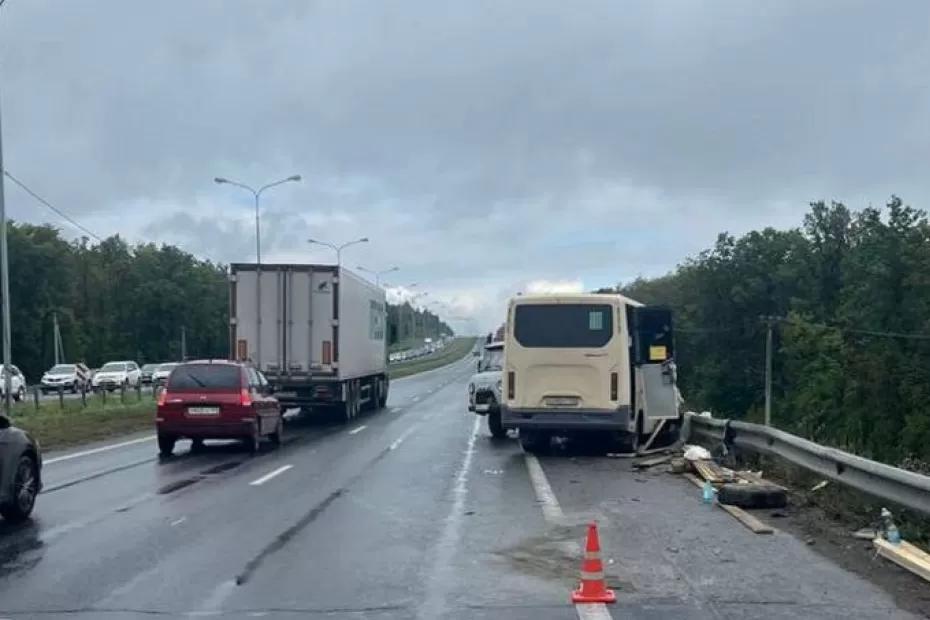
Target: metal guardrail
point(902, 487)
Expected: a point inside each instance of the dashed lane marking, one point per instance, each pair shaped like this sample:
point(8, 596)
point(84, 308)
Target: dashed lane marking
point(358, 429)
point(113, 446)
point(396, 443)
point(270, 475)
point(544, 495)
point(553, 514)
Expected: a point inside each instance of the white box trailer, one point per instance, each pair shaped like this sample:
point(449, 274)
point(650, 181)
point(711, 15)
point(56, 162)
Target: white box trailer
point(317, 332)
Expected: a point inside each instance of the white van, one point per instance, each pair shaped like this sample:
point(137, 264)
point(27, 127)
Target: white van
point(600, 365)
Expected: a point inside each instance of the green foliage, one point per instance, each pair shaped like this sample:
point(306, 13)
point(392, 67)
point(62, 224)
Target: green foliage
point(113, 301)
point(408, 326)
point(853, 290)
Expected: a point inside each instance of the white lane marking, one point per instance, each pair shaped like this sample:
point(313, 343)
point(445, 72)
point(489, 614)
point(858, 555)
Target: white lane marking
point(270, 475)
point(544, 495)
point(178, 521)
point(592, 611)
point(439, 578)
point(396, 443)
point(358, 429)
point(394, 409)
point(552, 512)
point(113, 446)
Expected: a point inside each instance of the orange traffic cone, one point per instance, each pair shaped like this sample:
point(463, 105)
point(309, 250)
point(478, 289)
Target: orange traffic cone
point(593, 588)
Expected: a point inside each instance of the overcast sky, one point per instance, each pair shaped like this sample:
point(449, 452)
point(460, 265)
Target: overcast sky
point(484, 147)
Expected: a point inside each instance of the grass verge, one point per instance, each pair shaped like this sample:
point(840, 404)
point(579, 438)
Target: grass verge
point(454, 351)
point(56, 427)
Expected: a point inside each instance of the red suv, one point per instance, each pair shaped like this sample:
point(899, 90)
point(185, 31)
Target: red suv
point(216, 400)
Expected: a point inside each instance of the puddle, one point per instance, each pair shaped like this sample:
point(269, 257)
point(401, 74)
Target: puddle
point(171, 487)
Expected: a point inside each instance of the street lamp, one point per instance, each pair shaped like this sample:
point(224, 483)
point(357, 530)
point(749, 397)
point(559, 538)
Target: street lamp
point(5, 292)
point(338, 248)
point(257, 193)
point(378, 274)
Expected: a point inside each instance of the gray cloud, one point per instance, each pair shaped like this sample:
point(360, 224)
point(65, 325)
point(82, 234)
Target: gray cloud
point(481, 145)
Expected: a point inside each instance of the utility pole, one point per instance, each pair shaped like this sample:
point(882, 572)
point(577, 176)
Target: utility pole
point(183, 344)
point(56, 337)
point(5, 292)
point(769, 324)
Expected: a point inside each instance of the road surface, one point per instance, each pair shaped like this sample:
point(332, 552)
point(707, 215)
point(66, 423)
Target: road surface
point(411, 512)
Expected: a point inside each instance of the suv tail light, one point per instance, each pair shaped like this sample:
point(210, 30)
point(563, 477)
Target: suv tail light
point(613, 386)
point(162, 397)
point(511, 384)
point(245, 399)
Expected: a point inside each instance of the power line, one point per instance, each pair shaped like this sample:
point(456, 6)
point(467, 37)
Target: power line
point(45, 202)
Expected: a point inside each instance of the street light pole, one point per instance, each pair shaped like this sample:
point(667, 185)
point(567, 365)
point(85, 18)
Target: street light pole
point(378, 274)
point(258, 253)
point(338, 248)
point(5, 291)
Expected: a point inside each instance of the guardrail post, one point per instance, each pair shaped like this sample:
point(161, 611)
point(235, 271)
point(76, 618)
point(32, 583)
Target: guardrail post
point(61, 397)
point(83, 395)
point(35, 396)
point(139, 391)
point(122, 393)
point(103, 395)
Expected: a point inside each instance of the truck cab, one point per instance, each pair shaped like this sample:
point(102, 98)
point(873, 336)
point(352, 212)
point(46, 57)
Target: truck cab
point(484, 388)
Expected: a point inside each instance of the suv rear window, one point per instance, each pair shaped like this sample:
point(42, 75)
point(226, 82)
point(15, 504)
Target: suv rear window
point(563, 325)
point(210, 376)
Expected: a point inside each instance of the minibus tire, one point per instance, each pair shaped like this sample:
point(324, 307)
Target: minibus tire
point(534, 442)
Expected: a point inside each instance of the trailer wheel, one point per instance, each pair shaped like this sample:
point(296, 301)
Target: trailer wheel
point(383, 386)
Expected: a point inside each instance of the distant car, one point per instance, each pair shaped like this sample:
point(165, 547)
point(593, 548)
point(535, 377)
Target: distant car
point(116, 375)
point(17, 384)
point(161, 373)
point(73, 377)
point(145, 373)
point(217, 400)
point(20, 471)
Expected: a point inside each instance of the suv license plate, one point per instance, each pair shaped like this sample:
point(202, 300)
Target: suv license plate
point(561, 402)
point(203, 410)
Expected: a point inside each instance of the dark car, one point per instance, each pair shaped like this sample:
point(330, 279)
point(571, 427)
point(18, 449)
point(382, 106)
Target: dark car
point(145, 375)
point(20, 471)
point(217, 400)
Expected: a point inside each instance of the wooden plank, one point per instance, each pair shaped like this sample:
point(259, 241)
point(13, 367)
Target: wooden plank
point(694, 479)
point(751, 522)
point(751, 477)
point(652, 461)
point(754, 524)
point(905, 555)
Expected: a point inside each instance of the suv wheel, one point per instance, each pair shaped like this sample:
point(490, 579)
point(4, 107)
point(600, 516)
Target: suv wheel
point(166, 444)
point(25, 487)
point(494, 424)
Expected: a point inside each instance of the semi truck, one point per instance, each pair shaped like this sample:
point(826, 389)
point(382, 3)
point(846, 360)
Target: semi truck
point(317, 333)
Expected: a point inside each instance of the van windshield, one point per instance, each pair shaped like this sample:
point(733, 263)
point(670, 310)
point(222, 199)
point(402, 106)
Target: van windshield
point(199, 376)
point(563, 325)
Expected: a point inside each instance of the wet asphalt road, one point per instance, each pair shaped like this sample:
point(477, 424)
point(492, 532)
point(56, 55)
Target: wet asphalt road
point(411, 512)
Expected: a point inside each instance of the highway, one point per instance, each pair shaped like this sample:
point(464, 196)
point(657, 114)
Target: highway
point(410, 512)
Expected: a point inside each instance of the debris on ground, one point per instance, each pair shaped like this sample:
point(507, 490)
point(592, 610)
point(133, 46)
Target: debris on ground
point(752, 495)
point(696, 453)
point(820, 485)
point(905, 555)
point(678, 465)
point(865, 533)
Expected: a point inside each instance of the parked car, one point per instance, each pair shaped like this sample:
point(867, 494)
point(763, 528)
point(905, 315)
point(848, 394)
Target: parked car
point(213, 399)
point(17, 383)
point(20, 471)
point(114, 375)
point(73, 377)
point(145, 373)
point(161, 373)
